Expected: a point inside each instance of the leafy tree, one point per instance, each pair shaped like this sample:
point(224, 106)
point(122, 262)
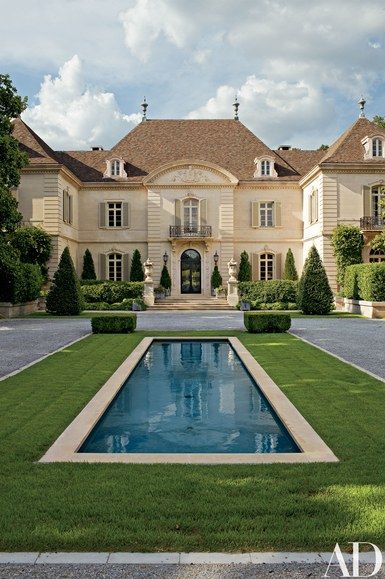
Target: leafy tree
point(65, 296)
point(244, 273)
point(216, 278)
point(378, 242)
point(165, 279)
point(290, 269)
point(33, 243)
point(12, 160)
point(347, 242)
point(379, 121)
point(137, 273)
point(323, 147)
point(314, 294)
point(88, 266)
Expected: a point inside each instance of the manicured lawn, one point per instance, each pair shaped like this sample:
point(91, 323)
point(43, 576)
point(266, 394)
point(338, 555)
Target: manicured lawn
point(183, 507)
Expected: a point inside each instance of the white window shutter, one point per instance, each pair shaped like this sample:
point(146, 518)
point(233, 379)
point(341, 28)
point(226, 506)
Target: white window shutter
point(178, 210)
point(102, 266)
point(277, 214)
point(102, 214)
point(126, 215)
point(278, 266)
point(255, 214)
point(367, 199)
point(203, 211)
point(255, 266)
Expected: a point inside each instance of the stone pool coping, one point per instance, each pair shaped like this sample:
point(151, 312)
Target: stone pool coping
point(313, 448)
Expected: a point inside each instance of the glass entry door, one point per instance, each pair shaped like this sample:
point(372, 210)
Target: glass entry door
point(190, 272)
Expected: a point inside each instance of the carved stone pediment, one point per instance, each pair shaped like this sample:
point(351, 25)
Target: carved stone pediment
point(190, 173)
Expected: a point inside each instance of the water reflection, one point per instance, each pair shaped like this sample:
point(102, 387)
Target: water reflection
point(189, 396)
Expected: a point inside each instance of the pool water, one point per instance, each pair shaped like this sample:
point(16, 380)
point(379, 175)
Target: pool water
point(189, 397)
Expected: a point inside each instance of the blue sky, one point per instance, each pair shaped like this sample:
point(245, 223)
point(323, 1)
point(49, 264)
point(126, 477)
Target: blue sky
point(298, 67)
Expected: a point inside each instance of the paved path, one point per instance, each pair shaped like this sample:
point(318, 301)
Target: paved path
point(356, 340)
point(203, 320)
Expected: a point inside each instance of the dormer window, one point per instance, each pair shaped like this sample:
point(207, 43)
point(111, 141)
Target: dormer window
point(374, 147)
point(115, 169)
point(377, 147)
point(264, 167)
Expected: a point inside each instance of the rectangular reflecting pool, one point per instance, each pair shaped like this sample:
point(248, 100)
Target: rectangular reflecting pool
point(189, 397)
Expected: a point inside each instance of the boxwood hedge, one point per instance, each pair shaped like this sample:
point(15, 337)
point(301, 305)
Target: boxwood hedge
point(124, 324)
point(258, 322)
point(112, 292)
point(270, 291)
point(365, 281)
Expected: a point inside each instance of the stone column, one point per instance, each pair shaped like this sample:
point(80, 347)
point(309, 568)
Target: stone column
point(232, 284)
point(148, 295)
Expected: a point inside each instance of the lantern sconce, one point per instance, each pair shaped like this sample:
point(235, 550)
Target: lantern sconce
point(165, 258)
point(216, 258)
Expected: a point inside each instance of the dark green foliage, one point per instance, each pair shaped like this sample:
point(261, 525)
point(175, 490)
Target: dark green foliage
point(378, 242)
point(136, 273)
point(165, 279)
point(269, 291)
point(273, 306)
point(379, 121)
point(290, 269)
point(365, 282)
point(347, 242)
point(112, 291)
point(314, 293)
point(126, 304)
point(244, 273)
point(258, 322)
point(19, 282)
point(88, 271)
point(12, 160)
point(323, 147)
point(33, 243)
point(65, 296)
point(124, 324)
point(216, 278)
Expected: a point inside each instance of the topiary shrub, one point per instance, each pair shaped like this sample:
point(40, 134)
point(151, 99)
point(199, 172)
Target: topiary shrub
point(244, 272)
point(165, 279)
point(88, 271)
point(65, 297)
point(125, 324)
point(258, 322)
point(269, 291)
point(365, 282)
point(290, 271)
point(347, 242)
point(112, 291)
point(216, 278)
point(136, 273)
point(314, 293)
point(19, 282)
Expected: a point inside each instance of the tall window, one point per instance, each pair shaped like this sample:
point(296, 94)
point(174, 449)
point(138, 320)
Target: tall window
point(378, 201)
point(115, 267)
point(266, 266)
point(67, 207)
point(377, 148)
point(114, 214)
point(191, 213)
point(313, 206)
point(266, 214)
point(115, 168)
point(376, 256)
point(265, 167)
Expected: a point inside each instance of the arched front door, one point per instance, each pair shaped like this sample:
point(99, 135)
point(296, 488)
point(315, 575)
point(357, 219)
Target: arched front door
point(190, 272)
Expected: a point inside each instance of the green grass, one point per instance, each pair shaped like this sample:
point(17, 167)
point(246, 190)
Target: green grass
point(105, 507)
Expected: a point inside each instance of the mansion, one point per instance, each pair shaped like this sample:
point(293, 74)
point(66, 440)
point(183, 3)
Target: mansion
point(194, 192)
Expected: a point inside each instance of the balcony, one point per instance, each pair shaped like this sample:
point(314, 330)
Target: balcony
point(372, 223)
point(190, 231)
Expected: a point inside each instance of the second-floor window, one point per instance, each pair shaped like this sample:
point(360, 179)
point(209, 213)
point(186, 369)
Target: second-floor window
point(266, 214)
point(115, 267)
point(191, 213)
point(114, 214)
point(67, 207)
point(265, 168)
point(377, 148)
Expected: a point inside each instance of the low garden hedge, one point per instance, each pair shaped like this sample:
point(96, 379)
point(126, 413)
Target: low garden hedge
point(268, 292)
point(365, 281)
point(127, 305)
point(258, 322)
point(124, 324)
point(112, 292)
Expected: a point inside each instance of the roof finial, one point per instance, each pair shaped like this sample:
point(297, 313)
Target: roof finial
point(236, 107)
point(144, 106)
point(362, 103)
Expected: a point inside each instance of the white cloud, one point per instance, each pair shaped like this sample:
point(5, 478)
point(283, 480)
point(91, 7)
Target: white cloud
point(70, 114)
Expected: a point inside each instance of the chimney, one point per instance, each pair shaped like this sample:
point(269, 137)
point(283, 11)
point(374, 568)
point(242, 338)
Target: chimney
point(97, 148)
point(284, 147)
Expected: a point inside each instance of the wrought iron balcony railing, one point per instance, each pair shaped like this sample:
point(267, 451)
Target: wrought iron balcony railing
point(190, 231)
point(370, 223)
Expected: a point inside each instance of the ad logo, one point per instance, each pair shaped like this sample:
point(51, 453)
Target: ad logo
point(341, 563)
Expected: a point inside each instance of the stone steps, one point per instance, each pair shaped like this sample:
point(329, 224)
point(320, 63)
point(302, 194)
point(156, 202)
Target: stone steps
point(191, 304)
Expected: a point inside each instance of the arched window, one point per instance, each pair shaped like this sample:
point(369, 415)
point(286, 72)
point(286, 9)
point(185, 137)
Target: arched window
point(265, 167)
point(266, 266)
point(377, 148)
point(376, 256)
point(115, 168)
point(115, 269)
point(191, 214)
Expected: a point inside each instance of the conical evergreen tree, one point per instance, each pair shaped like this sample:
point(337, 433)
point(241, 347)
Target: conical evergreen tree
point(314, 295)
point(165, 279)
point(244, 273)
point(137, 273)
point(290, 269)
point(65, 296)
point(216, 278)
point(88, 266)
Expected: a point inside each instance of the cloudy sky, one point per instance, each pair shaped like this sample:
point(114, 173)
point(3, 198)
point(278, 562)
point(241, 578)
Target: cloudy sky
point(298, 67)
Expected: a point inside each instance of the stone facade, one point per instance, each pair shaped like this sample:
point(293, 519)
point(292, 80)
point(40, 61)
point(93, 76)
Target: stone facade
point(205, 196)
